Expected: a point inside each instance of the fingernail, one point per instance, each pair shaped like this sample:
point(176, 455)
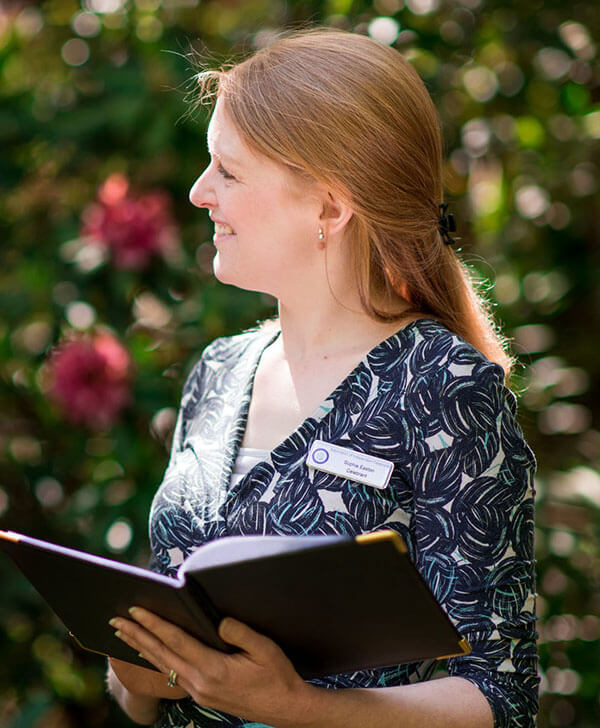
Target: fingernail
point(118, 634)
point(113, 622)
point(133, 611)
point(141, 655)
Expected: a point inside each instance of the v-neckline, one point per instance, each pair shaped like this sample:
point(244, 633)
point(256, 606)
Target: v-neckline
point(325, 407)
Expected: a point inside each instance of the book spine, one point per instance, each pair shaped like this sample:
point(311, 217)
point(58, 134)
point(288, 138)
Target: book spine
point(201, 598)
point(199, 604)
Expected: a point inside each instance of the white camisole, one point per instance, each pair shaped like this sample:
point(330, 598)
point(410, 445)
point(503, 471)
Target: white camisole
point(247, 458)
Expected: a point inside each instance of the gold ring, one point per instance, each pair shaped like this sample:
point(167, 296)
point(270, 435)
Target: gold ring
point(172, 681)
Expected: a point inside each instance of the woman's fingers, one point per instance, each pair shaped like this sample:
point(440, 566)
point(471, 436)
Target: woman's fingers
point(169, 634)
point(182, 644)
point(168, 648)
point(144, 642)
point(212, 678)
point(256, 645)
point(176, 639)
point(159, 655)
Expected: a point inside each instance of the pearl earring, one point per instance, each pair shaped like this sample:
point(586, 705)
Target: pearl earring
point(321, 238)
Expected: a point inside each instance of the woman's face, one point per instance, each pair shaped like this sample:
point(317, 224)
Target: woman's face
point(266, 221)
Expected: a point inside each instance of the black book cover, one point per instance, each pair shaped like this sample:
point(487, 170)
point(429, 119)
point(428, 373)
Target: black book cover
point(332, 603)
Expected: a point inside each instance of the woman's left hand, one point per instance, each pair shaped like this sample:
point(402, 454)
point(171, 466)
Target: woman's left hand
point(257, 683)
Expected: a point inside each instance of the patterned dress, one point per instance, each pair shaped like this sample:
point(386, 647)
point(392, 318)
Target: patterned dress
point(461, 495)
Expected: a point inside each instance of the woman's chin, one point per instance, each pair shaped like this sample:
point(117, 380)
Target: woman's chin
point(227, 276)
point(222, 272)
point(242, 282)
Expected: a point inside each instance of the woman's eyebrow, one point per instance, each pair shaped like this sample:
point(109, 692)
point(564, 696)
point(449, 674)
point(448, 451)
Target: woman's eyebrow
point(224, 157)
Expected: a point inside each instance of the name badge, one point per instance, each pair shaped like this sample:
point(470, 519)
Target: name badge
point(349, 464)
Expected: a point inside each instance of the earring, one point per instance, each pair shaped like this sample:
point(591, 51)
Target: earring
point(321, 238)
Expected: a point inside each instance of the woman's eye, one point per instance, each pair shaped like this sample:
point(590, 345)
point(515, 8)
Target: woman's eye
point(222, 171)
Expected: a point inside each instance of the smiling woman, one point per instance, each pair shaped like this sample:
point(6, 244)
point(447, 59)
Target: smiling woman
point(325, 189)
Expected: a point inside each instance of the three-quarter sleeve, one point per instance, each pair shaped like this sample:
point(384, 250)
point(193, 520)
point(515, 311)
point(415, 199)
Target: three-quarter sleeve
point(472, 529)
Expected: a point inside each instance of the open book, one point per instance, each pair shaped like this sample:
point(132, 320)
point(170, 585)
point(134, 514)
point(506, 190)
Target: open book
point(332, 603)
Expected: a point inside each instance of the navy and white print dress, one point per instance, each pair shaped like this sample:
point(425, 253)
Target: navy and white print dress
point(461, 495)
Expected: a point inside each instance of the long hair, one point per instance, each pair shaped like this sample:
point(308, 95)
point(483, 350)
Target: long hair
point(352, 113)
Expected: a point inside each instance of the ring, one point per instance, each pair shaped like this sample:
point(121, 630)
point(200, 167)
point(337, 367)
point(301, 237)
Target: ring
point(172, 681)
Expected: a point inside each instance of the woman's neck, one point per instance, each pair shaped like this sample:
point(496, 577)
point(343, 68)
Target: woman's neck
point(318, 332)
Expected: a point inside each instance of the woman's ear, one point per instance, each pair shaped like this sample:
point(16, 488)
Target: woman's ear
point(336, 213)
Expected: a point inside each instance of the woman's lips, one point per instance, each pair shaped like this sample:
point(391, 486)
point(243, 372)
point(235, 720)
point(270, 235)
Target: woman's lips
point(222, 232)
point(220, 238)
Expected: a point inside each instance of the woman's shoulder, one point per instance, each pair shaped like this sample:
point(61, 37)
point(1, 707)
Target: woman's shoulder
point(232, 354)
point(426, 356)
point(431, 345)
point(227, 359)
point(227, 348)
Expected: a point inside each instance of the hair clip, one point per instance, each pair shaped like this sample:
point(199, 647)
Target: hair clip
point(446, 224)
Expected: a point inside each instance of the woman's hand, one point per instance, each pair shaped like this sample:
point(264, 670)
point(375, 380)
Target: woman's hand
point(142, 681)
point(258, 683)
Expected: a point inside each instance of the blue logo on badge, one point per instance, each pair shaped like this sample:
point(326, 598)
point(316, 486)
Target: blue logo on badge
point(320, 456)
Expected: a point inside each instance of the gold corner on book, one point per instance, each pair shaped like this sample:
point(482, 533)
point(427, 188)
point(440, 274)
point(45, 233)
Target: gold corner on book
point(88, 649)
point(463, 646)
point(10, 536)
point(388, 535)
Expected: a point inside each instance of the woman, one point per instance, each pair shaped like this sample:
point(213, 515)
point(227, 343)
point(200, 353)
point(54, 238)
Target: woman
point(325, 190)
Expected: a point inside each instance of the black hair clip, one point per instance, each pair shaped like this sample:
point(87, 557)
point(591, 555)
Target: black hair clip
point(446, 224)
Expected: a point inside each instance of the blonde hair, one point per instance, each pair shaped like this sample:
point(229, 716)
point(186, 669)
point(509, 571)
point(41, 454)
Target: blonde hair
point(352, 113)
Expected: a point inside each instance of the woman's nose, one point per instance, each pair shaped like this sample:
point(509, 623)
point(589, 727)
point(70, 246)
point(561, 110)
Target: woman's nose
point(202, 193)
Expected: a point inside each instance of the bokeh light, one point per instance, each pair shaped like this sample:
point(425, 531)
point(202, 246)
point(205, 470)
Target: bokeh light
point(80, 315)
point(49, 492)
point(119, 535)
point(481, 83)
point(87, 25)
point(385, 30)
point(531, 201)
point(103, 6)
point(75, 52)
point(422, 7)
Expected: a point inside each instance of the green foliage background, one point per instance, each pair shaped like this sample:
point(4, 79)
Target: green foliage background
point(517, 86)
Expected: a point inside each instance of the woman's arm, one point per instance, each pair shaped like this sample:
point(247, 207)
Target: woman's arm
point(141, 709)
point(449, 702)
point(472, 533)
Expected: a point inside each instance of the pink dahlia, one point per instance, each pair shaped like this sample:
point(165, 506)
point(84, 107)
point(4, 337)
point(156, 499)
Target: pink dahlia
point(132, 228)
point(89, 379)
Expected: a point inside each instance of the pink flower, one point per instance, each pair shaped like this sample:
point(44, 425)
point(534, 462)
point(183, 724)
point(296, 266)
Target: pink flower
point(89, 379)
point(132, 228)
